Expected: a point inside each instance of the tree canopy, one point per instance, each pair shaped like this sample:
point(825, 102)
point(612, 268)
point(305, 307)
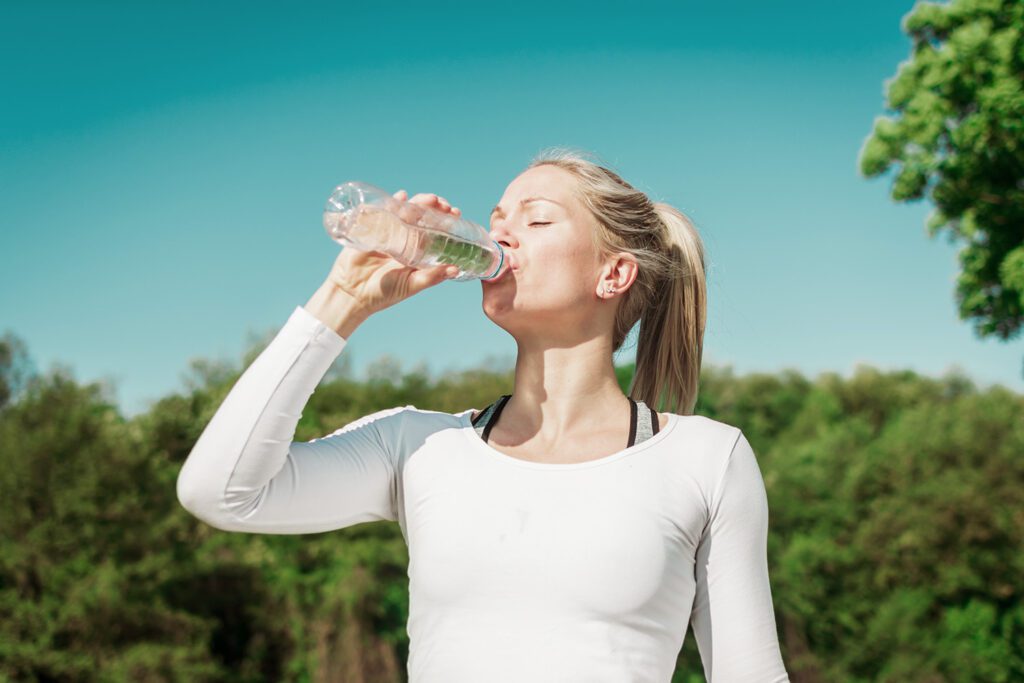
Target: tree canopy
point(893, 539)
point(956, 136)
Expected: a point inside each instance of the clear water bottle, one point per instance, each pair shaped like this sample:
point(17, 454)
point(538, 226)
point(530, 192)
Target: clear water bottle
point(368, 218)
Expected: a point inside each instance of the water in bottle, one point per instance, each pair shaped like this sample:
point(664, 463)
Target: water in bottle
point(368, 218)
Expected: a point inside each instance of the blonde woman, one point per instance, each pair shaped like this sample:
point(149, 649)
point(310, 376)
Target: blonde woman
point(566, 532)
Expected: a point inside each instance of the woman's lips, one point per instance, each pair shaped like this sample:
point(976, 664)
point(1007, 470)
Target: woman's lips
point(509, 265)
point(501, 275)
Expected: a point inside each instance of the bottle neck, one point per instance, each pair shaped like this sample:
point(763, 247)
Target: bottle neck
point(501, 261)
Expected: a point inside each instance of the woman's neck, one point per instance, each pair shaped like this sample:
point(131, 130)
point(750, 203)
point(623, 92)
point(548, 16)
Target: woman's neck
point(561, 392)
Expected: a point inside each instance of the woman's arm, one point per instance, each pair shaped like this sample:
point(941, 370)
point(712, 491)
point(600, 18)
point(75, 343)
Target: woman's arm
point(733, 619)
point(246, 474)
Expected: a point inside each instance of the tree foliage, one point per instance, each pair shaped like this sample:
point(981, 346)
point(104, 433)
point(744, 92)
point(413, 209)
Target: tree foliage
point(894, 535)
point(957, 137)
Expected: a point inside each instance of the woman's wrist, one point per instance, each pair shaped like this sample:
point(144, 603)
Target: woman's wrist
point(337, 309)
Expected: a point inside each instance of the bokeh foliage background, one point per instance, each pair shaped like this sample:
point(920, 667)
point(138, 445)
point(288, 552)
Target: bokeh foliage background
point(894, 546)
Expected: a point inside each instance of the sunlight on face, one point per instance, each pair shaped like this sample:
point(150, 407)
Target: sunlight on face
point(546, 232)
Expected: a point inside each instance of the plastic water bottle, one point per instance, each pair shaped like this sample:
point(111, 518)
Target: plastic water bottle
point(367, 218)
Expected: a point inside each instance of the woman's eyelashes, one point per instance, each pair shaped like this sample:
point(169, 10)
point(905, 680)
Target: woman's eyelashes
point(530, 224)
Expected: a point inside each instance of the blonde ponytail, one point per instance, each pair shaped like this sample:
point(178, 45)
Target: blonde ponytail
point(671, 341)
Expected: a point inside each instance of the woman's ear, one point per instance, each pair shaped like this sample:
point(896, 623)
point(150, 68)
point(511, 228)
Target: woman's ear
point(617, 276)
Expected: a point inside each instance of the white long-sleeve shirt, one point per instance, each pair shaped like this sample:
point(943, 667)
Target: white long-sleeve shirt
point(518, 570)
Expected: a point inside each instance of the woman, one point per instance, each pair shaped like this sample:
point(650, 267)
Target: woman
point(578, 536)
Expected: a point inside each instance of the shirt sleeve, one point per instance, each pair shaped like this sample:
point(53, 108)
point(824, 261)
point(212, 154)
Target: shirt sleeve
point(246, 474)
point(733, 618)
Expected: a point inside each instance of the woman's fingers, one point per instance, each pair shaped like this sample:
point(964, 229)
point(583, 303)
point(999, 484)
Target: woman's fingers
point(422, 278)
point(429, 199)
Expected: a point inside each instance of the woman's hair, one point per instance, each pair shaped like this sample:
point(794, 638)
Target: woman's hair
point(669, 295)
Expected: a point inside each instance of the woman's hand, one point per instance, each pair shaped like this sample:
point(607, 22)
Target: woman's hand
point(376, 281)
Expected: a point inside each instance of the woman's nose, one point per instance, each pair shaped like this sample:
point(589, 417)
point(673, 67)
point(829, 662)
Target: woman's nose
point(504, 238)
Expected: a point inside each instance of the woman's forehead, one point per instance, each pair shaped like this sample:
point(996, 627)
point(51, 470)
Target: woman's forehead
point(542, 182)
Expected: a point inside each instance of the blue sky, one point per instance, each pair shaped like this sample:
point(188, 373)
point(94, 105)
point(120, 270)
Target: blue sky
point(163, 170)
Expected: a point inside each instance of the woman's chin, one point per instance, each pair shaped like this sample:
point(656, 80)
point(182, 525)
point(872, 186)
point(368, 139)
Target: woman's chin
point(498, 302)
point(501, 279)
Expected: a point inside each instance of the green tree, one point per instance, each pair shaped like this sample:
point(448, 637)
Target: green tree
point(893, 536)
point(958, 137)
point(16, 367)
point(85, 547)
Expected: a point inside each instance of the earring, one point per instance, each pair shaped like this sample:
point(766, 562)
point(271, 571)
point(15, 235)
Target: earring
point(609, 289)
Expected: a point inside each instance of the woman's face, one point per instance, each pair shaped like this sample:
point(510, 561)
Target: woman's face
point(552, 290)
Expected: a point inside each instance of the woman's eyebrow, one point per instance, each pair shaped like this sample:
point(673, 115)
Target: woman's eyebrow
point(497, 209)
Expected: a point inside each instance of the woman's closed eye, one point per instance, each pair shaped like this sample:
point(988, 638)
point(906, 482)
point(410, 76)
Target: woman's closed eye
point(540, 223)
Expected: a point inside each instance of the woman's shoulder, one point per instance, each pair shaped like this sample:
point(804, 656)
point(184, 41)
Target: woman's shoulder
point(707, 442)
point(415, 413)
point(702, 426)
point(408, 417)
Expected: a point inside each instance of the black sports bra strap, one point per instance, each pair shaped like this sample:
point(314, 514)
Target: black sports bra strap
point(632, 422)
point(643, 420)
point(494, 416)
point(486, 419)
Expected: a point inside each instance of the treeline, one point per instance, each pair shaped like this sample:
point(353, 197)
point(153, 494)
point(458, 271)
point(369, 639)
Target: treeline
point(894, 550)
